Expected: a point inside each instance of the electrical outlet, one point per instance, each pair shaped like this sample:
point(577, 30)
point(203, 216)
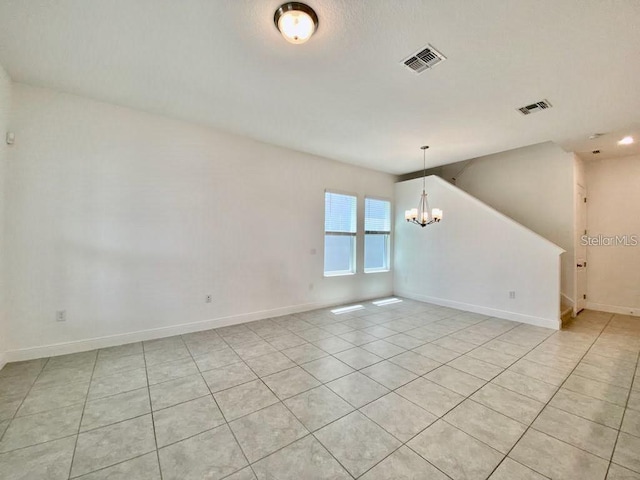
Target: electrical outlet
point(208, 299)
point(61, 316)
point(512, 294)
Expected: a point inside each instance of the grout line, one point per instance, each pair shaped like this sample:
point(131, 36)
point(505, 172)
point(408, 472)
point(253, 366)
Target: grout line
point(115, 464)
point(84, 406)
point(13, 417)
point(467, 397)
point(626, 407)
point(547, 403)
point(226, 422)
point(294, 416)
point(419, 406)
point(447, 318)
point(153, 420)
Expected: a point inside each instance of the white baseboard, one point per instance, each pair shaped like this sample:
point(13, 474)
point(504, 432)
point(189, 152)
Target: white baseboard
point(3, 360)
point(553, 323)
point(151, 334)
point(601, 307)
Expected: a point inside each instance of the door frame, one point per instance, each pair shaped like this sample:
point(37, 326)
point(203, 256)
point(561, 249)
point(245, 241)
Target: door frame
point(580, 203)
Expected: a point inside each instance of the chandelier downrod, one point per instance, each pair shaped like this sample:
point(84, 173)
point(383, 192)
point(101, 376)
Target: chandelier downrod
point(423, 215)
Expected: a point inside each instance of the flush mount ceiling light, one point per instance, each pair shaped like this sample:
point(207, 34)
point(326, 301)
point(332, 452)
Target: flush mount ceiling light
point(296, 21)
point(626, 141)
point(422, 215)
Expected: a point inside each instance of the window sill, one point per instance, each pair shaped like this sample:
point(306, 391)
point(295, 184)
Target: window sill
point(338, 274)
point(378, 270)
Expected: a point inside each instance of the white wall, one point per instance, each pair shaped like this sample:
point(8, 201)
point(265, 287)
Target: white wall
point(127, 220)
point(474, 258)
point(534, 185)
point(5, 105)
point(613, 208)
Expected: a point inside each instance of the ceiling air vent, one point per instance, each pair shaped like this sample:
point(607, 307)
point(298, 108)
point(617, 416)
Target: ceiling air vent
point(427, 57)
point(535, 107)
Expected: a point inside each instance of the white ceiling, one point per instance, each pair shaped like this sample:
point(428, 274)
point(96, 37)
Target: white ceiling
point(345, 94)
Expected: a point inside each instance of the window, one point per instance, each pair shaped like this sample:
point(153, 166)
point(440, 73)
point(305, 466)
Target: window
point(339, 234)
point(377, 233)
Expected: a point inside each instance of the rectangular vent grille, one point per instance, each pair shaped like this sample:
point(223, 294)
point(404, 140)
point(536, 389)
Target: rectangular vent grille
point(535, 107)
point(424, 59)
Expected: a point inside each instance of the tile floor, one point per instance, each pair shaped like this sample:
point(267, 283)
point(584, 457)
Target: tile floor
point(402, 391)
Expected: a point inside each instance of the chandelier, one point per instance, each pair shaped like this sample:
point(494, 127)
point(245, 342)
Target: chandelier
point(423, 215)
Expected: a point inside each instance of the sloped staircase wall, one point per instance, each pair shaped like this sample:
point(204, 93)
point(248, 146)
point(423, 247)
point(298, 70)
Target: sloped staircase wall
point(474, 258)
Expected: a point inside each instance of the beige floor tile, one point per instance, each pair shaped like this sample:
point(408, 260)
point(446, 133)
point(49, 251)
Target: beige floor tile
point(244, 399)
point(430, 396)
point(437, 353)
point(318, 407)
point(265, 431)
point(357, 442)
point(118, 383)
point(540, 372)
point(389, 374)
point(588, 407)
point(525, 385)
point(269, 364)
point(616, 472)
point(358, 358)
point(113, 444)
point(357, 389)
point(415, 362)
point(475, 367)
point(511, 470)
point(304, 353)
point(290, 382)
point(626, 452)
point(50, 461)
point(327, 369)
point(455, 380)
point(488, 426)
point(171, 370)
point(213, 455)
point(308, 359)
point(304, 459)
point(398, 416)
point(456, 453)
point(383, 349)
point(185, 420)
point(556, 459)
point(577, 431)
point(228, 376)
point(42, 399)
point(509, 403)
point(105, 411)
point(41, 427)
point(170, 393)
point(145, 467)
point(631, 422)
point(597, 389)
point(404, 464)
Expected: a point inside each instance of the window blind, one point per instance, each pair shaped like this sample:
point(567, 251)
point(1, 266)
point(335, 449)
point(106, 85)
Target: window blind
point(377, 216)
point(340, 213)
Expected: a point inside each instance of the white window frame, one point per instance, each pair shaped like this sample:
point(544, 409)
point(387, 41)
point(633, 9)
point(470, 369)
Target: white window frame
point(387, 234)
point(353, 235)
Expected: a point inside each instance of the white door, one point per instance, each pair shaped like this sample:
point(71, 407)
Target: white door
point(581, 249)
